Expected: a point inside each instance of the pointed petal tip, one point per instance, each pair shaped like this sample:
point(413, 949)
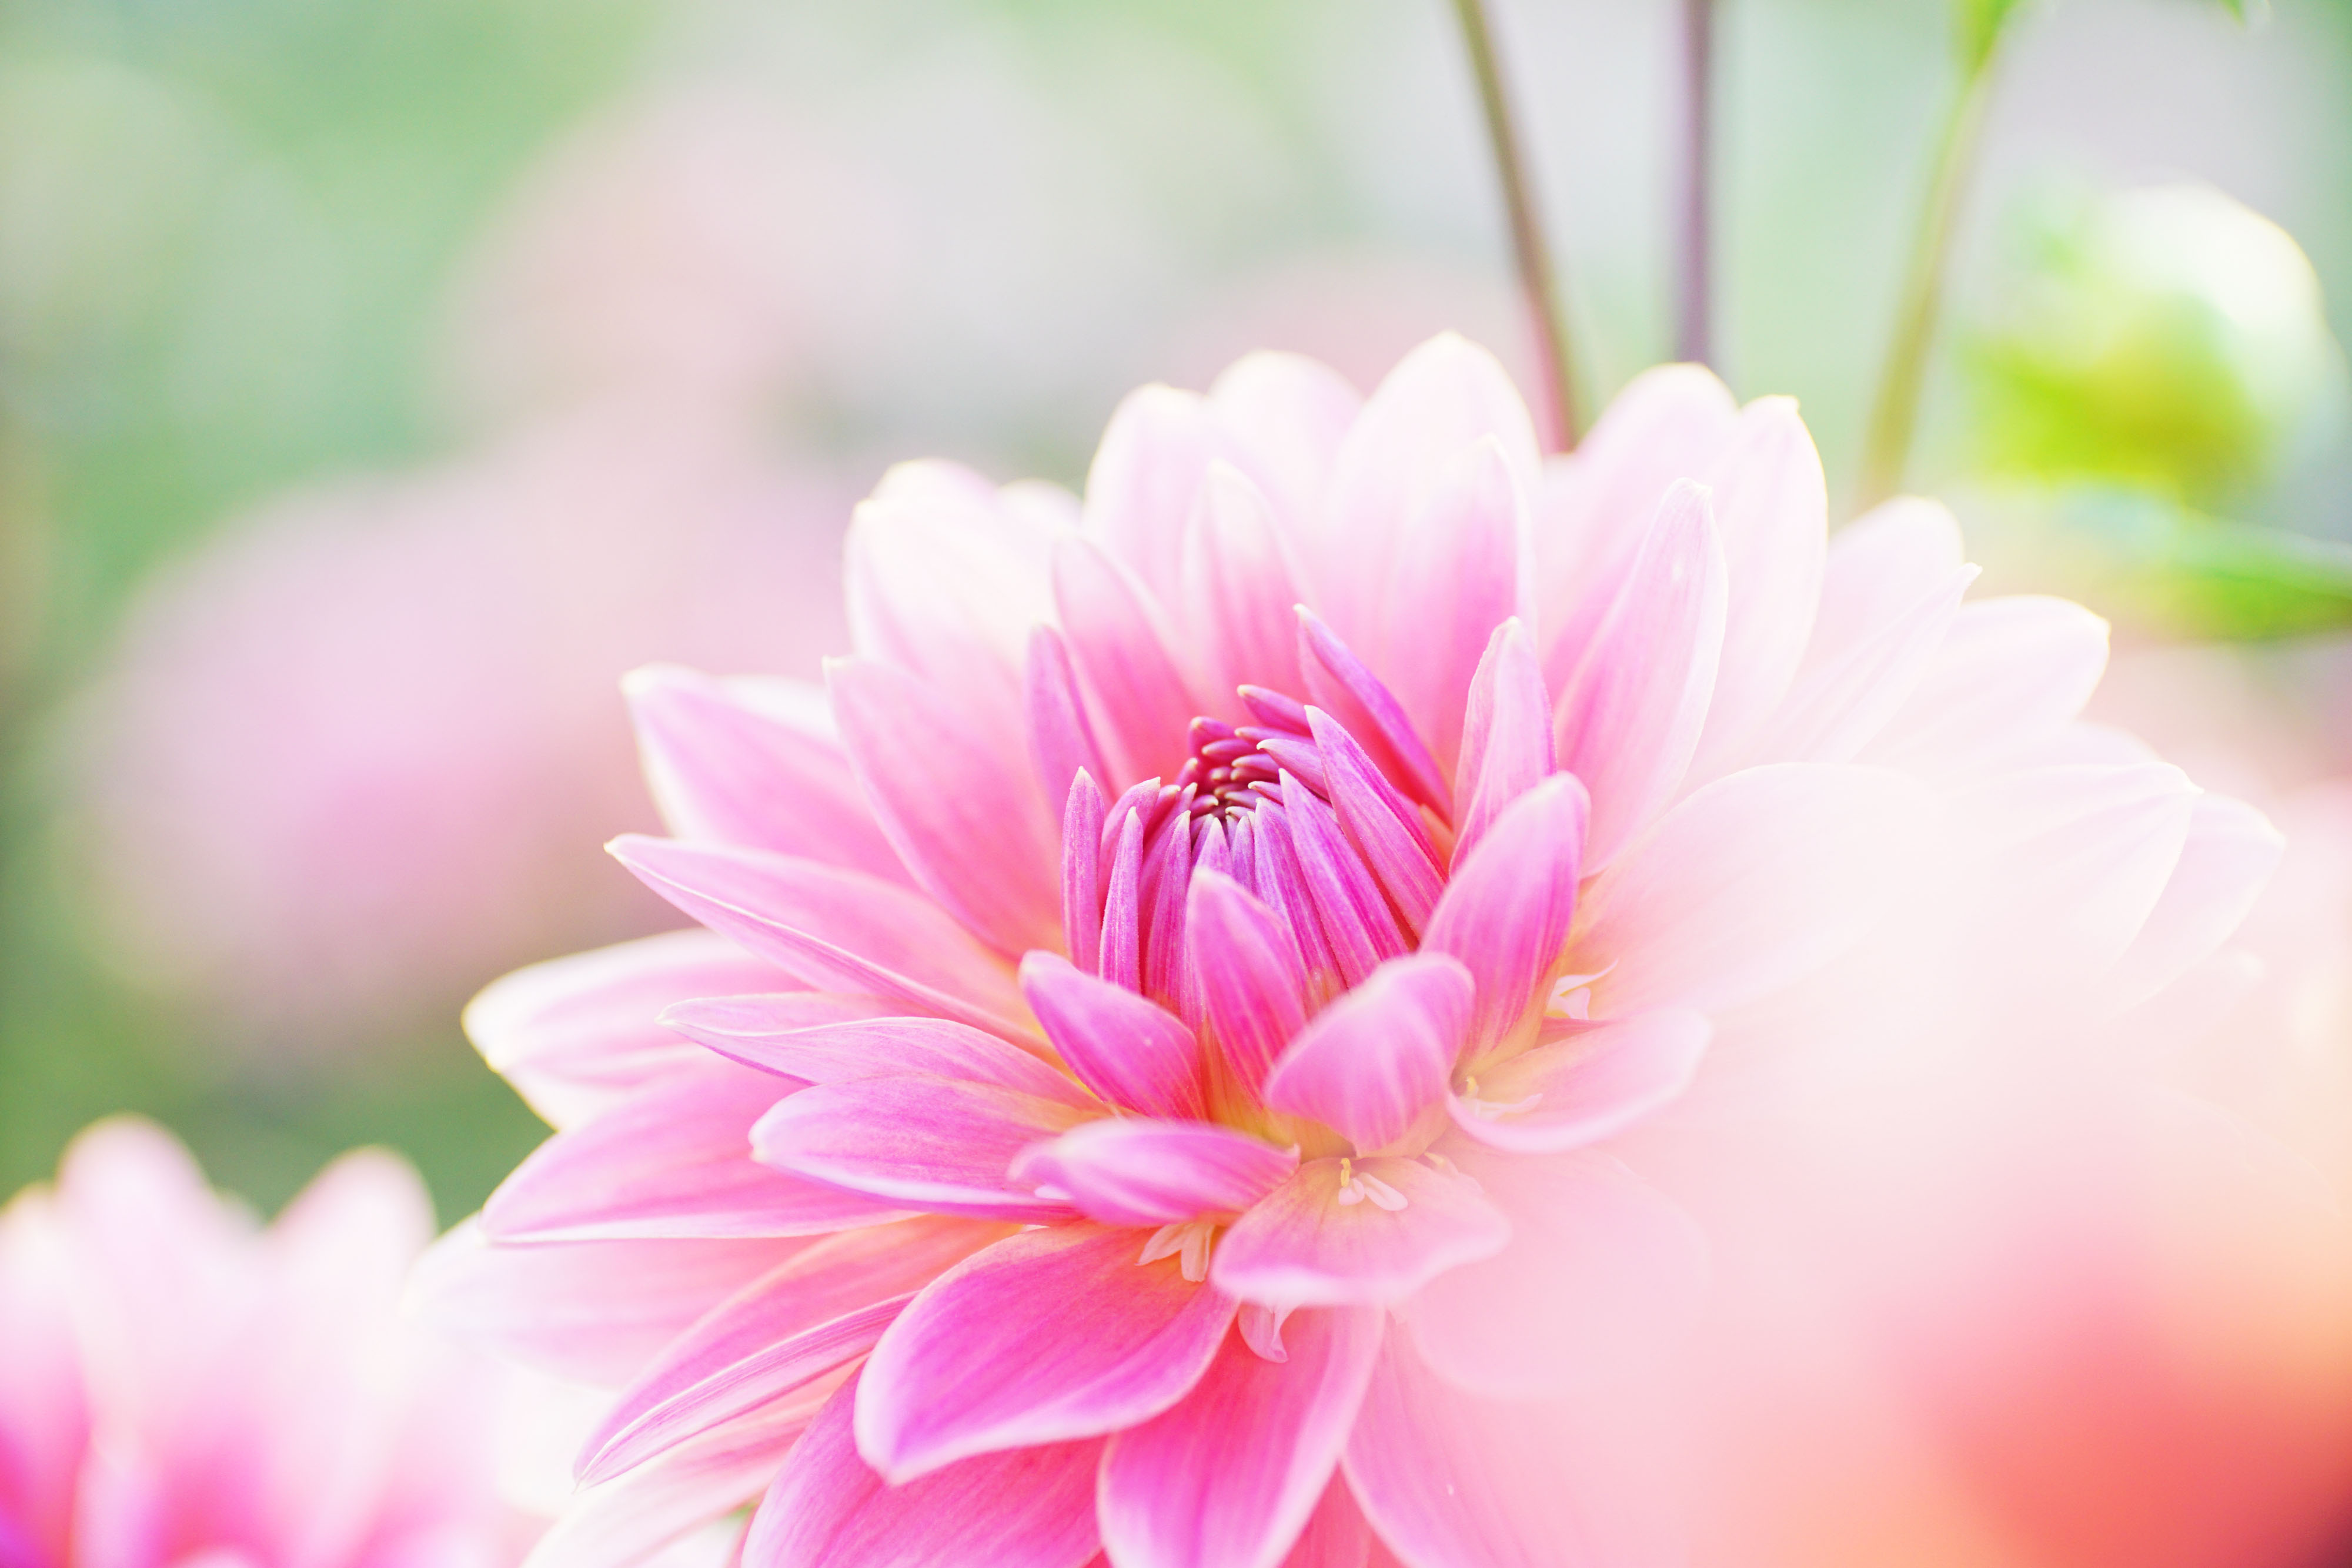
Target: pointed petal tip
point(648, 679)
point(1447, 345)
point(1681, 375)
point(1051, 1335)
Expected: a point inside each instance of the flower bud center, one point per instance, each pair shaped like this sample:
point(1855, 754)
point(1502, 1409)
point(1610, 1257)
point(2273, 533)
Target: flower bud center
point(1232, 768)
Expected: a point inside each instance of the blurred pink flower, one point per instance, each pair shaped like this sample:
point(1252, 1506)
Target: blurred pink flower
point(183, 1390)
point(344, 762)
point(1167, 1045)
point(2082, 1297)
point(698, 242)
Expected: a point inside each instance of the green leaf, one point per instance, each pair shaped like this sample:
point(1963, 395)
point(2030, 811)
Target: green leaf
point(2140, 558)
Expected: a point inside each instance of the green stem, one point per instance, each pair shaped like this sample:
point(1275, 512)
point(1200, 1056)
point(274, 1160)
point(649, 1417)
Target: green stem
point(1694, 339)
point(1538, 278)
point(1894, 414)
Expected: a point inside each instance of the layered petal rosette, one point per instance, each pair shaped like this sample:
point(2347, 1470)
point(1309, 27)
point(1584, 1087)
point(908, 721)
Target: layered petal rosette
point(1154, 1079)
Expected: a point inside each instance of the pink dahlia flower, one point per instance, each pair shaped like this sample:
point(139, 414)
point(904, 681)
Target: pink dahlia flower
point(181, 1389)
point(1153, 1080)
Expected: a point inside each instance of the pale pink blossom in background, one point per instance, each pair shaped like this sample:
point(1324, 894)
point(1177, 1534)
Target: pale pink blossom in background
point(353, 756)
point(1178, 1061)
point(2086, 1311)
point(2105, 1325)
point(183, 1388)
point(698, 239)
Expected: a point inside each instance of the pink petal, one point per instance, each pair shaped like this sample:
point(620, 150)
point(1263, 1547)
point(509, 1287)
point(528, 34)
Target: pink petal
point(1384, 827)
point(1300, 756)
point(1048, 1335)
point(45, 1402)
point(577, 1035)
point(1032, 1508)
point(1239, 589)
point(1506, 736)
point(623, 1522)
point(1630, 710)
point(728, 762)
point(44, 1435)
point(2010, 671)
point(1461, 571)
point(1290, 414)
point(1241, 863)
point(674, 1161)
point(149, 1232)
point(1838, 705)
point(1167, 867)
point(1755, 881)
point(1142, 704)
point(790, 1042)
point(338, 1256)
point(1062, 741)
point(834, 929)
point(1508, 909)
point(1248, 971)
point(945, 580)
point(2081, 855)
point(1772, 512)
point(1345, 688)
point(1451, 1482)
point(1230, 1477)
point(1281, 885)
point(1129, 1050)
point(741, 1027)
point(1891, 556)
point(2224, 865)
point(1213, 846)
point(1145, 479)
point(1301, 1245)
point(820, 1311)
point(1583, 1089)
point(928, 1144)
point(1355, 919)
point(586, 1311)
point(968, 820)
point(1082, 873)
point(1337, 1535)
point(1668, 423)
point(1444, 396)
point(1128, 1170)
point(1122, 927)
point(1376, 1059)
point(1601, 1278)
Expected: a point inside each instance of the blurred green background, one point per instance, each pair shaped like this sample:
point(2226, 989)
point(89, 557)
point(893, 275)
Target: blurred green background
point(253, 246)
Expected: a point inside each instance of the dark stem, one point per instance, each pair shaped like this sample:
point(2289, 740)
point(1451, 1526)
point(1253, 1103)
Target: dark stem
point(1695, 325)
point(1537, 277)
point(1894, 414)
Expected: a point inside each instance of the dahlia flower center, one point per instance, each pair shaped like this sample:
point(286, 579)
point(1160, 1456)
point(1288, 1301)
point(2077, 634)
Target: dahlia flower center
point(1277, 870)
point(1293, 811)
point(1231, 768)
